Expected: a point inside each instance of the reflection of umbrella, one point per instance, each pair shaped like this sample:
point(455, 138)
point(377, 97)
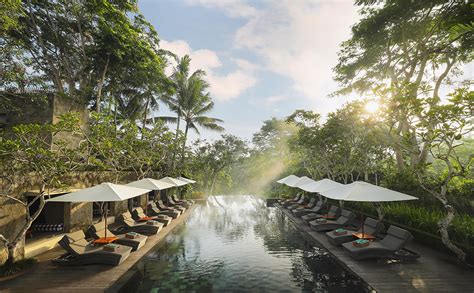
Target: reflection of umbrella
point(365, 192)
point(152, 184)
point(104, 192)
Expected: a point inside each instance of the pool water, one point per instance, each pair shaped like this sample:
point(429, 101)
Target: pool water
point(237, 244)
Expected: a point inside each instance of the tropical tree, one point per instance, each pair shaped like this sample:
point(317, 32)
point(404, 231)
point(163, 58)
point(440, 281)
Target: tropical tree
point(442, 129)
point(214, 159)
point(191, 101)
point(91, 52)
point(403, 51)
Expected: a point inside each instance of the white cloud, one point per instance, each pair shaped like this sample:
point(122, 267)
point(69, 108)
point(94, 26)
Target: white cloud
point(223, 87)
point(233, 8)
point(300, 40)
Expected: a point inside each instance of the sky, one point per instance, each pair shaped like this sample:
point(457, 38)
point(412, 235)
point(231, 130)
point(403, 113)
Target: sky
point(263, 58)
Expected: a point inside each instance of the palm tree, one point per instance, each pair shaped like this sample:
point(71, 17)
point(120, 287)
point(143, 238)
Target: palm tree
point(191, 102)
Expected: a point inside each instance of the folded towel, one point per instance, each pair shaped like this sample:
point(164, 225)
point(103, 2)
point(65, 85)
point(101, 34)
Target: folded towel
point(361, 243)
point(339, 231)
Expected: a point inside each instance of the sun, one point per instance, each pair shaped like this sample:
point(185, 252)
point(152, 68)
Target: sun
point(372, 106)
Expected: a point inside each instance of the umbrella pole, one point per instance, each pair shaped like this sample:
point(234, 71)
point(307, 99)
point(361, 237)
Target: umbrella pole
point(362, 223)
point(146, 204)
point(105, 220)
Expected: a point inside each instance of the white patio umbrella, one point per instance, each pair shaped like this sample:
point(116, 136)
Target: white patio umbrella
point(320, 185)
point(190, 181)
point(289, 177)
point(152, 184)
point(303, 181)
point(104, 192)
point(365, 192)
point(174, 181)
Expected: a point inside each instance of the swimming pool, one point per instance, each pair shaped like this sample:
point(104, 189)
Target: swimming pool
point(237, 244)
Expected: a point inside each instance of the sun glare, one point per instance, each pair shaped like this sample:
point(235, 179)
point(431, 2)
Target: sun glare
point(372, 106)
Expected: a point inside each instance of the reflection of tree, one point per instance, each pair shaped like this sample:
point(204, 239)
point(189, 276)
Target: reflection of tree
point(273, 228)
point(178, 264)
point(312, 267)
point(228, 216)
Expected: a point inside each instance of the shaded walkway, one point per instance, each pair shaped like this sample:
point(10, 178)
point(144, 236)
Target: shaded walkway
point(47, 277)
point(432, 272)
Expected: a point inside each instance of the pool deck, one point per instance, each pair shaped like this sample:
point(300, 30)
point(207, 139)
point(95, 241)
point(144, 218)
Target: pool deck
point(432, 272)
point(47, 277)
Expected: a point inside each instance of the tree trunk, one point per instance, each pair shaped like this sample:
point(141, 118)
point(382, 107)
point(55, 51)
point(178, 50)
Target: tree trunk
point(183, 151)
point(176, 140)
point(444, 225)
point(380, 211)
point(21, 235)
point(213, 183)
point(101, 85)
point(145, 114)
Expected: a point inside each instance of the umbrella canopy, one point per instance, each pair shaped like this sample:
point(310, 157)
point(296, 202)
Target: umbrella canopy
point(187, 180)
point(303, 181)
point(149, 183)
point(292, 181)
point(363, 191)
point(102, 192)
point(174, 181)
point(321, 185)
point(290, 178)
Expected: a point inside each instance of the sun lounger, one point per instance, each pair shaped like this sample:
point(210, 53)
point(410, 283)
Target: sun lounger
point(189, 203)
point(302, 201)
point(333, 213)
point(291, 201)
point(309, 205)
point(371, 227)
point(154, 210)
point(179, 206)
point(388, 247)
point(164, 207)
point(135, 241)
point(301, 212)
point(344, 219)
point(129, 225)
point(82, 252)
point(139, 215)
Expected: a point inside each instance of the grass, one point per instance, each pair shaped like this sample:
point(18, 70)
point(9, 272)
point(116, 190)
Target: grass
point(16, 267)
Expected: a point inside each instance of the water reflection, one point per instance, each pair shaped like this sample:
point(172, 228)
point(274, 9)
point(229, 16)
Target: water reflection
point(236, 244)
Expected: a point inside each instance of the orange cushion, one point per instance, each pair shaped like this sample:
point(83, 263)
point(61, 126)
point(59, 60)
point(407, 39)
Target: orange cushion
point(143, 219)
point(105, 240)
